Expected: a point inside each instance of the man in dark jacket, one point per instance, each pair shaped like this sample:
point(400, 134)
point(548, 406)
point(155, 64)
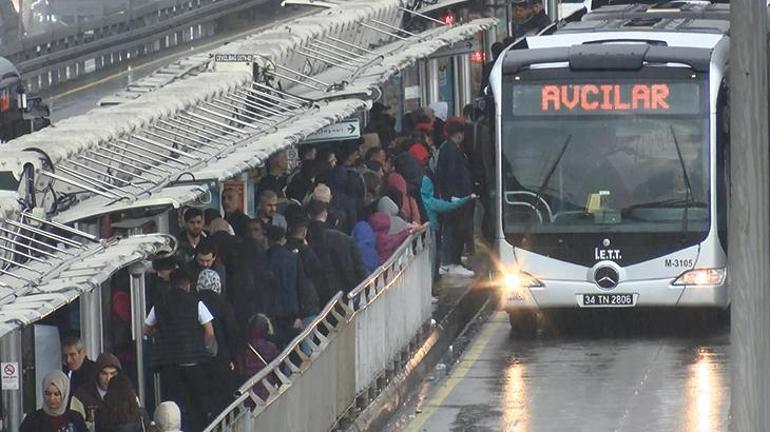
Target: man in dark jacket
point(529, 17)
point(231, 203)
point(160, 282)
point(301, 182)
point(275, 179)
point(184, 344)
point(91, 394)
point(343, 267)
point(206, 258)
point(77, 366)
point(188, 239)
point(285, 307)
point(336, 219)
point(453, 180)
point(251, 290)
point(267, 211)
point(227, 335)
point(347, 186)
point(311, 265)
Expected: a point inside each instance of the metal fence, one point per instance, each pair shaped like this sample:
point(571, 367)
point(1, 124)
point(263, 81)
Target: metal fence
point(63, 54)
point(352, 343)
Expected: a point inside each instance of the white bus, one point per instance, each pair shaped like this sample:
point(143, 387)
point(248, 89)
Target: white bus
point(612, 162)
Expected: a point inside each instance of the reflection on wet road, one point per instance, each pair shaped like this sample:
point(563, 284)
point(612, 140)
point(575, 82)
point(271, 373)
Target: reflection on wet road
point(582, 383)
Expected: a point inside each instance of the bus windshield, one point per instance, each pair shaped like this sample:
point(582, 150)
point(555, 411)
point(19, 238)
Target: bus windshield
point(597, 156)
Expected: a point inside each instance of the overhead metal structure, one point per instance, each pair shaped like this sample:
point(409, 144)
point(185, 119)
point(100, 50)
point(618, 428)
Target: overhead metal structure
point(156, 150)
point(45, 265)
point(255, 120)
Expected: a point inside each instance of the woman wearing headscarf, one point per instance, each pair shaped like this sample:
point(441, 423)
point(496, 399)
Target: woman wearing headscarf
point(168, 417)
point(367, 246)
point(256, 353)
point(54, 415)
point(226, 333)
point(386, 243)
point(121, 411)
point(389, 207)
point(410, 210)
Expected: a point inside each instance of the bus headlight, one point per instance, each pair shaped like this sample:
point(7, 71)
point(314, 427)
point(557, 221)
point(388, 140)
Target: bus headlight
point(515, 281)
point(701, 277)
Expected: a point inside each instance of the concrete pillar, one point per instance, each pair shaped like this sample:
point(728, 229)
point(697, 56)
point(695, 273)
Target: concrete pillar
point(465, 94)
point(422, 70)
point(91, 330)
point(432, 83)
point(552, 9)
point(10, 351)
point(138, 312)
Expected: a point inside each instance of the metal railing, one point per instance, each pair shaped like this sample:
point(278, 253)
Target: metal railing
point(33, 248)
point(148, 159)
point(350, 344)
point(64, 54)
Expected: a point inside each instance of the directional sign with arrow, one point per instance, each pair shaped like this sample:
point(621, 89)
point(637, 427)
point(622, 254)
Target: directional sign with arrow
point(344, 130)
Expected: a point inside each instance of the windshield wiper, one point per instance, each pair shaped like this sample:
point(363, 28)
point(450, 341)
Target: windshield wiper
point(553, 168)
point(668, 203)
point(538, 195)
point(685, 216)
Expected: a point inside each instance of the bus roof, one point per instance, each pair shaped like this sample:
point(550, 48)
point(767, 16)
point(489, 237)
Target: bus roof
point(663, 10)
point(679, 23)
point(671, 39)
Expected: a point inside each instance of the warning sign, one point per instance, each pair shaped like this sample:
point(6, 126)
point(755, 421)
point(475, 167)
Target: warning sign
point(9, 376)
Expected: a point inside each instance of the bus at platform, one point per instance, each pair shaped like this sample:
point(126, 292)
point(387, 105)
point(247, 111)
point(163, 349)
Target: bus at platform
point(612, 162)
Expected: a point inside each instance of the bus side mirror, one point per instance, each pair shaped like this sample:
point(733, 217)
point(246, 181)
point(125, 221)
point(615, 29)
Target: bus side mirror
point(481, 103)
point(484, 105)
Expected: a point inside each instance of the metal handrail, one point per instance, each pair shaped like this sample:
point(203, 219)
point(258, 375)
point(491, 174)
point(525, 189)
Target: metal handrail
point(396, 255)
point(292, 347)
point(244, 393)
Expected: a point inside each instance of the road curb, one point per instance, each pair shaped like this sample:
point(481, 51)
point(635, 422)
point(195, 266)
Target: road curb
point(422, 361)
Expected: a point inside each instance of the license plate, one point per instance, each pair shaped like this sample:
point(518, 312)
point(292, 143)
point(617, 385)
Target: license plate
point(608, 300)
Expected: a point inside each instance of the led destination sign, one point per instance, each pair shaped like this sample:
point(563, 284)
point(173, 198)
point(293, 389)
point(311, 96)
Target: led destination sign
point(588, 98)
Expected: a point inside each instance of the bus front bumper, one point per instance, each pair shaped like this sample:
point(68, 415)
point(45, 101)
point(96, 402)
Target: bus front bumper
point(628, 294)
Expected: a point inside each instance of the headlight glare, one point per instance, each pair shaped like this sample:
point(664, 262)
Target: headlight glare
point(518, 280)
point(702, 277)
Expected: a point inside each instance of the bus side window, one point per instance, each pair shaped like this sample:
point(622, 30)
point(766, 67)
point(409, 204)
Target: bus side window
point(723, 160)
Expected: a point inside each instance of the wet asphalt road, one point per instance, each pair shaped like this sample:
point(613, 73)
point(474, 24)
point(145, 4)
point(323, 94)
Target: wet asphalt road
point(671, 378)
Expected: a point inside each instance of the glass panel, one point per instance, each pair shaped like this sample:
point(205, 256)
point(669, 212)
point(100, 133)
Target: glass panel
point(625, 168)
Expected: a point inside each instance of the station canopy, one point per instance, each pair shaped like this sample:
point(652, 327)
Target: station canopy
point(166, 147)
point(46, 265)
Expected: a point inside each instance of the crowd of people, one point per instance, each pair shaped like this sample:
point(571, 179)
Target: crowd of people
point(239, 289)
point(89, 395)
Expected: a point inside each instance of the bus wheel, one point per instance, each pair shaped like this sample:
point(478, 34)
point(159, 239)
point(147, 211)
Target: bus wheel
point(523, 324)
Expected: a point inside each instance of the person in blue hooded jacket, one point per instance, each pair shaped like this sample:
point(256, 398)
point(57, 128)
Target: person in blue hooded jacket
point(435, 205)
point(366, 242)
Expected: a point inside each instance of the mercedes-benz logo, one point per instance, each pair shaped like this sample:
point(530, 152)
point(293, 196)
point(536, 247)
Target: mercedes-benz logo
point(606, 242)
point(606, 277)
